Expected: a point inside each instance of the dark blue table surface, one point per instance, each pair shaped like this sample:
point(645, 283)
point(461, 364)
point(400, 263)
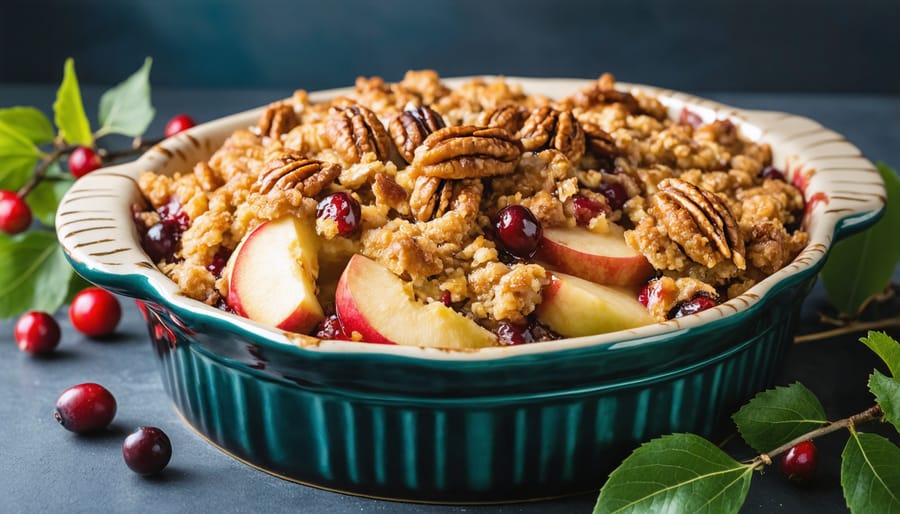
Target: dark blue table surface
point(43, 468)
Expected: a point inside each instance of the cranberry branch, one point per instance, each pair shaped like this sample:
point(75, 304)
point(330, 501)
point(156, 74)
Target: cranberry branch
point(873, 413)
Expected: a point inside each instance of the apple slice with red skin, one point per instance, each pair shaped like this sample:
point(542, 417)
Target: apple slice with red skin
point(574, 307)
point(601, 258)
point(382, 308)
point(272, 275)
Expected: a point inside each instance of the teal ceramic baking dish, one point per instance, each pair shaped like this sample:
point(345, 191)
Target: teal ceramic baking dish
point(497, 424)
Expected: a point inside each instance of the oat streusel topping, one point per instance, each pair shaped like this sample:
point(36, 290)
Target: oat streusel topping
point(431, 165)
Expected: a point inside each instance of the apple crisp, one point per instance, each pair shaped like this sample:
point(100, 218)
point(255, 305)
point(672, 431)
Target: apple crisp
point(519, 213)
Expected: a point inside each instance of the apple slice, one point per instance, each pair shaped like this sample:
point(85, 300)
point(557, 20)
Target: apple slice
point(383, 309)
point(272, 275)
point(575, 307)
point(601, 258)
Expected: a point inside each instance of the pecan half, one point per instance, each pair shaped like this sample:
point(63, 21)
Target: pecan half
point(547, 127)
point(710, 217)
point(508, 117)
point(293, 171)
point(390, 193)
point(354, 131)
point(603, 92)
point(599, 142)
point(468, 152)
point(278, 118)
point(433, 197)
point(410, 128)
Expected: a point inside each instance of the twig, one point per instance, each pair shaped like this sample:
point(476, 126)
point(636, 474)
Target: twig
point(41, 171)
point(849, 328)
point(138, 147)
point(871, 414)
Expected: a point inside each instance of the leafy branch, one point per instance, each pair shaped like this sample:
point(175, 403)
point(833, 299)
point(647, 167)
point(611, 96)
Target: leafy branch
point(686, 473)
point(31, 154)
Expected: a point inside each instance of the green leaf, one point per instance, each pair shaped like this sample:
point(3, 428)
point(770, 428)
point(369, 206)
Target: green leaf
point(33, 272)
point(887, 394)
point(779, 415)
point(870, 474)
point(861, 265)
point(126, 109)
point(76, 285)
point(885, 347)
point(18, 156)
point(29, 122)
point(676, 473)
point(68, 110)
point(45, 198)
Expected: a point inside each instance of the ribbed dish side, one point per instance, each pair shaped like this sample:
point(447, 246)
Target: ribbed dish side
point(438, 451)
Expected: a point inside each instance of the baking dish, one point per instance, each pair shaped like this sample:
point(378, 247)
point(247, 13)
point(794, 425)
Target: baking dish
point(497, 424)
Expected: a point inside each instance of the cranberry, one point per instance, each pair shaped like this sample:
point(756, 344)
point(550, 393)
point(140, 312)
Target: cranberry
point(172, 214)
point(85, 408)
point(799, 463)
point(518, 230)
point(689, 117)
point(160, 241)
point(83, 160)
point(331, 328)
point(586, 209)
point(773, 173)
point(15, 215)
point(95, 312)
point(446, 298)
point(179, 123)
point(700, 302)
point(37, 333)
point(646, 293)
point(513, 333)
point(343, 209)
point(220, 260)
point(615, 194)
point(147, 450)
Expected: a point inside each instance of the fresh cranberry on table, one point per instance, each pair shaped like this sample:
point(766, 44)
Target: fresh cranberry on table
point(799, 463)
point(773, 173)
point(518, 230)
point(85, 408)
point(179, 123)
point(37, 333)
point(615, 194)
point(83, 160)
point(15, 215)
point(95, 312)
point(147, 450)
point(343, 209)
point(586, 209)
point(700, 302)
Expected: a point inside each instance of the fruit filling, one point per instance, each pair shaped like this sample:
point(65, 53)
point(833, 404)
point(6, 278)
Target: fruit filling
point(419, 214)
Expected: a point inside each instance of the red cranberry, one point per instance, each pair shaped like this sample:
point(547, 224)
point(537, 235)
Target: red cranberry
point(615, 194)
point(586, 209)
point(446, 298)
point(147, 450)
point(331, 328)
point(15, 215)
point(799, 463)
point(689, 117)
point(172, 214)
point(518, 231)
point(95, 312)
point(179, 123)
point(773, 173)
point(83, 160)
point(37, 333)
point(343, 209)
point(700, 302)
point(220, 260)
point(513, 333)
point(85, 408)
point(646, 293)
point(160, 241)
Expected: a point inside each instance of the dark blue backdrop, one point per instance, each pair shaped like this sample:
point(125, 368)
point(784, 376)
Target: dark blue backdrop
point(763, 45)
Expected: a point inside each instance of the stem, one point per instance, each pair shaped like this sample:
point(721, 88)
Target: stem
point(138, 147)
point(42, 168)
point(855, 326)
point(871, 414)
